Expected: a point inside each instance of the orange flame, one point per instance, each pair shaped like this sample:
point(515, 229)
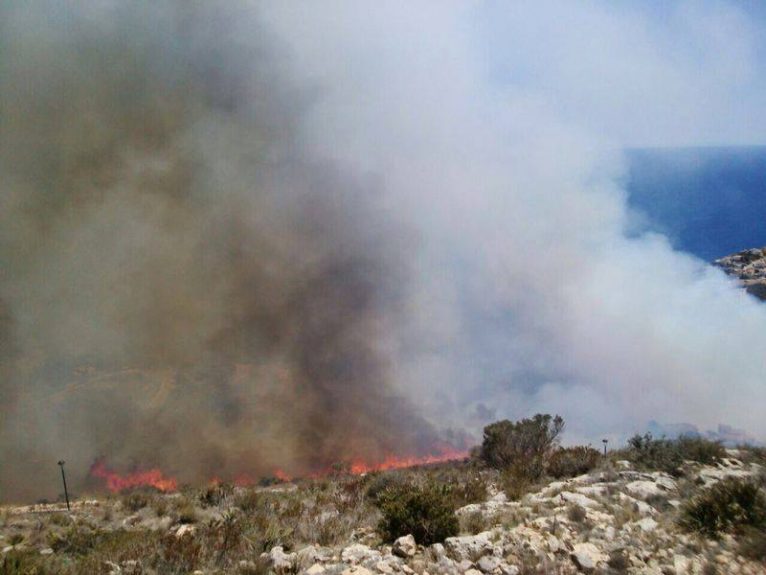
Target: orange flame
point(359, 466)
point(116, 482)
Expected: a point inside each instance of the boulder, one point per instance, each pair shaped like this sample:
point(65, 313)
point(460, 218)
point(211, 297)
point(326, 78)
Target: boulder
point(358, 553)
point(489, 564)
point(469, 547)
point(587, 557)
point(645, 489)
point(405, 546)
point(647, 524)
point(578, 499)
point(279, 561)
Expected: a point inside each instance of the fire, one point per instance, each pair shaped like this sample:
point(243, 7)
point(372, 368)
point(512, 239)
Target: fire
point(281, 475)
point(116, 482)
point(395, 462)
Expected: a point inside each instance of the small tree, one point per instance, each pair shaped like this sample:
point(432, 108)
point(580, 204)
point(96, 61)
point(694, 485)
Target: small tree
point(524, 442)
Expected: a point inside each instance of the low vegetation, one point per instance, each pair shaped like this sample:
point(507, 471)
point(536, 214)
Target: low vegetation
point(648, 452)
point(732, 504)
point(425, 512)
point(224, 529)
point(572, 461)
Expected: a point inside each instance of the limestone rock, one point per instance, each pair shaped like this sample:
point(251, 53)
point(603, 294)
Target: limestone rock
point(587, 556)
point(469, 547)
point(405, 546)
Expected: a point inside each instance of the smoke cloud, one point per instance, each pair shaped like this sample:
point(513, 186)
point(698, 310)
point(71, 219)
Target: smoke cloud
point(286, 234)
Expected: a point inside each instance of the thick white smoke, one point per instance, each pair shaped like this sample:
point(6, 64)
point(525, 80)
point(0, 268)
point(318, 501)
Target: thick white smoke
point(497, 128)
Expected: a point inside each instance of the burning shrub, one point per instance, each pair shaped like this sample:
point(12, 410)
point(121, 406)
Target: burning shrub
point(669, 454)
point(730, 505)
point(572, 461)
point(426, 512)
point(521, 443)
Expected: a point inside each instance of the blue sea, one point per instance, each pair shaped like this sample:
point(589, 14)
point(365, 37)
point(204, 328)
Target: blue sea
point(708, 201)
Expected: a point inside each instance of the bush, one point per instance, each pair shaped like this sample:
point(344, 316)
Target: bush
point(730, 505)
point(576, 514)
point(428, 513)
point(471, 489)
point(135, 500)
point(526, 442)
point(379, 483)
point(668, 454)
point(572, 461)
point(516, 482)
point(215, 494)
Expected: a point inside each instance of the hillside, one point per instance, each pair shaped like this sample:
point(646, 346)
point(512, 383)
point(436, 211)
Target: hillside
point(621, 517)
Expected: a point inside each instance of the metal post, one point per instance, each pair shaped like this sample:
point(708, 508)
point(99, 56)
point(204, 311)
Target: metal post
point(63, 478)
point(605, 441)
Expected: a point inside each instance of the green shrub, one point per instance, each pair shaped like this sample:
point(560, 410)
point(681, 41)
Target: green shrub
point(379, 483)
point(668, 454)
point(526, 442)
point(730, 505)
point(474, 523)
point(619, 561)
point(471, 489)
point(700, 450)
point(576, 514)
point(572, 461)
point(427, 512)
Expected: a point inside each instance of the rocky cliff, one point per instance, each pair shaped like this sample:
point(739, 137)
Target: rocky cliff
point(749, 266)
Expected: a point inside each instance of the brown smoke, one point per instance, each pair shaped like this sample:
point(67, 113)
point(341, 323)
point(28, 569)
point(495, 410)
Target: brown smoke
point(181, 286)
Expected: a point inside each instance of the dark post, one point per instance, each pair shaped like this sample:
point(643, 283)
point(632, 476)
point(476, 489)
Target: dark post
point(63, 478)
point(605, 441)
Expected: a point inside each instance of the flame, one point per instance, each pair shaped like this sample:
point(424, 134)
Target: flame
point(281, 475)
point(359, 466)
point(116, 482)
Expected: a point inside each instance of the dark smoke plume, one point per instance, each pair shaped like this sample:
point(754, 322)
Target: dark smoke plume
point(181, 285)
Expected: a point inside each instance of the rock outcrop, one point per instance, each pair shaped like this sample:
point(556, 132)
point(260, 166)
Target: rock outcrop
point(749, 267)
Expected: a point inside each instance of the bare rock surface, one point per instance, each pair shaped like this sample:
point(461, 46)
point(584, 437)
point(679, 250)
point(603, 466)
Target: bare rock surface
point(749, 267)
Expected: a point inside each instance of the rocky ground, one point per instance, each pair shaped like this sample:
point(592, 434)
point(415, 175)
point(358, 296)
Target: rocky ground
point(749, 266)
point(613, 520)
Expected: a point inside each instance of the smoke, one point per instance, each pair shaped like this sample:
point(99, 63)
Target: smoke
point(183, 286)
point(280, 235)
